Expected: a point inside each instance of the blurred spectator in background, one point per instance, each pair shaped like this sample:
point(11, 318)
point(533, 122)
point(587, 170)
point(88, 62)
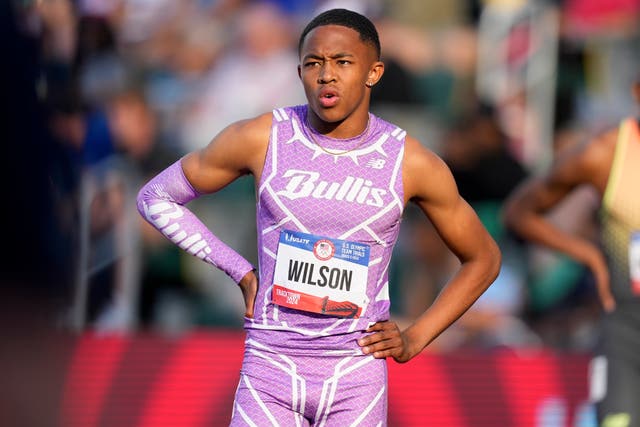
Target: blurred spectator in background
point(479, 154)
point(110, 155)
point(477, 150)
point(113, 231)
point(104, 130)
point(431, 54)
point(82, 64)
point(254, 72)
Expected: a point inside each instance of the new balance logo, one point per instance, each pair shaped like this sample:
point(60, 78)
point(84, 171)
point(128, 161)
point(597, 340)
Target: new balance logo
point(376, 163)
point(355, 190)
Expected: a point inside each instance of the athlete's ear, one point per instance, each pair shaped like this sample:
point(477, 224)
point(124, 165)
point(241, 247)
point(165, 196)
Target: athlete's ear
point(375, 72)
point(299, 72)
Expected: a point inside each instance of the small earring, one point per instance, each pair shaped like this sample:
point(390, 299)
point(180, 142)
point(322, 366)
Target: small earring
point(368, 84)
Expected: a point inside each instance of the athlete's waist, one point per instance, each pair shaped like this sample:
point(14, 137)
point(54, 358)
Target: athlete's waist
point(283, 340)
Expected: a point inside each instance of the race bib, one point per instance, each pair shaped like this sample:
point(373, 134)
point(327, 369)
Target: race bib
point(320, 274)
point(634, 262)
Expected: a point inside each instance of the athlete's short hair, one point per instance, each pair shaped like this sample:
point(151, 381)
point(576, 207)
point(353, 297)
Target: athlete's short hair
point(346, 18)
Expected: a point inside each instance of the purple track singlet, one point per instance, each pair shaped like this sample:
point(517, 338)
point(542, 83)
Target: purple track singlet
point(328, 217)
point(306, 195)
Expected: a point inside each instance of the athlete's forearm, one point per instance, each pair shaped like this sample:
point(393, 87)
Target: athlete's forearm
point(460, 293)
point(534, 227)
point(161, 202)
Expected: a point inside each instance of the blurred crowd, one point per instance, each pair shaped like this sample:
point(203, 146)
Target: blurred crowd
point(115, 90)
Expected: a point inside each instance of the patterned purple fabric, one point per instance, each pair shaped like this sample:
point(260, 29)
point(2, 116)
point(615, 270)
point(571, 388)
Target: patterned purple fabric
point(161, 202)
point(356, 195)
point(323, 390)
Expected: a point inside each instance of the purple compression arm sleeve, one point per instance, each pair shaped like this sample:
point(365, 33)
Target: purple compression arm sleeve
point(161, 202)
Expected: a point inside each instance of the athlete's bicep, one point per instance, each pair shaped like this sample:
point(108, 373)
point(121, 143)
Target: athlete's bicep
point(431, 186)
point(458, 225)
point(237, 150)
point(427, 179)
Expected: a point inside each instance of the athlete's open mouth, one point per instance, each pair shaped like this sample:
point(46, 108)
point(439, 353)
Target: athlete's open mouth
point(328, 98)
point(328, 93)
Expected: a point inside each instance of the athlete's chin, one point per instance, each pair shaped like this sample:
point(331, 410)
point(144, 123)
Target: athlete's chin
point(328, 114)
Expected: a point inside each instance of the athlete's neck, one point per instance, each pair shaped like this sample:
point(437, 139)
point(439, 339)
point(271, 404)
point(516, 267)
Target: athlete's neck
point(350, 127)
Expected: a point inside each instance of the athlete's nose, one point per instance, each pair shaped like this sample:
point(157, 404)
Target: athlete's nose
point(326, 73)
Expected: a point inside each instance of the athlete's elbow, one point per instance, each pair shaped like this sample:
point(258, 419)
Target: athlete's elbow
point(494, 262)
point(486, 266)
point(142, 199)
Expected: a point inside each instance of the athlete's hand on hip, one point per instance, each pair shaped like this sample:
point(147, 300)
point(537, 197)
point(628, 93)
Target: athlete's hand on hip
point(249, 287)
point(385, 340)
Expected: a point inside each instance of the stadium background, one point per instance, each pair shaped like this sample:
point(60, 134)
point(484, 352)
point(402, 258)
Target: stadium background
point(104, 323)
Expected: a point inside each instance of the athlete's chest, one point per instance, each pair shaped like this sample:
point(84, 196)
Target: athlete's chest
point(342, 198)
point(356, 185)
point(333, 195)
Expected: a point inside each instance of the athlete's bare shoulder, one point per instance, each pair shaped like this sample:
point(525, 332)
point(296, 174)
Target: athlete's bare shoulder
point(242, 145)
point(603, 144)
point(249, 139)
point(239, 149)
point(424, 173)
point(253, 129)
point(589, 161)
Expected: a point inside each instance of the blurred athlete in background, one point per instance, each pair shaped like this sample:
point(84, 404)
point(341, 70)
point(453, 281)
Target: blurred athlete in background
point(610, 163)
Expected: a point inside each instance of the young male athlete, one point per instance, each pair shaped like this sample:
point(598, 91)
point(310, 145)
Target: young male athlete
point(332, 180)
point(610, 163)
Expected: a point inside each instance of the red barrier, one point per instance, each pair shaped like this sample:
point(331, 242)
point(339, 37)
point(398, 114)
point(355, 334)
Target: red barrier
point(504, 388)
point(151, 381)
